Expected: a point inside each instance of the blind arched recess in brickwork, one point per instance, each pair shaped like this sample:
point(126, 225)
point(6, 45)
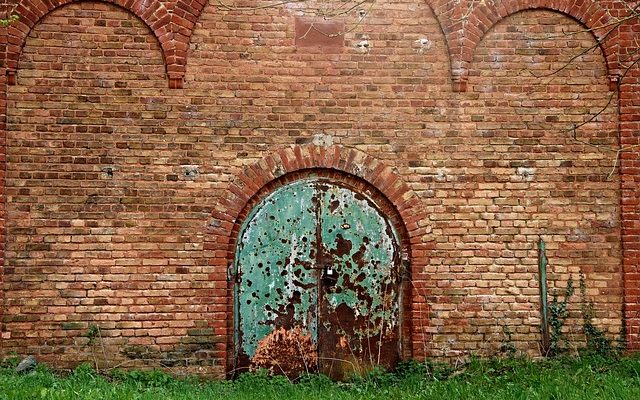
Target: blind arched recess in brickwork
point(102, 219)
point(153, 13)
point(478, 19)
point(534, 76)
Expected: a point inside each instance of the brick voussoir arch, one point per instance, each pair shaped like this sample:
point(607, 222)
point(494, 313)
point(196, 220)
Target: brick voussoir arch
point(299, 158)
point(183, 21)
point(485, 16)
point(153, 13)
point(184, 16)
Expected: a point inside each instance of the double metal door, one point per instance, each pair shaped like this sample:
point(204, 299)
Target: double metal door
point(320, 258)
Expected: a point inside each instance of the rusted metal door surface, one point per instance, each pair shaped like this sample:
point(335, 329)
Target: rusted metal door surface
point(318, 258)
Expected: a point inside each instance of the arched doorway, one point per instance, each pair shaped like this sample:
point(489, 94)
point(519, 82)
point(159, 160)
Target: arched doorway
point(319, 257)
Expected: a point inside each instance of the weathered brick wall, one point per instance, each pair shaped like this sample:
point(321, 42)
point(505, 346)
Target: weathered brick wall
point(514, 173)
point(109, 194)
point(122, 195)
point(630, 189)
point(3, 130)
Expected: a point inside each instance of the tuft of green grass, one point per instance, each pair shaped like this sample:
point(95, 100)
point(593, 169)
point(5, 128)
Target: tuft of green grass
point(591, 377)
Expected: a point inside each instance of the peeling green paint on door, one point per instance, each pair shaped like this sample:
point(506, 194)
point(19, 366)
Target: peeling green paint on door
point(317, 255)
point(276, 265)
point(359, 242)
point(359, 312)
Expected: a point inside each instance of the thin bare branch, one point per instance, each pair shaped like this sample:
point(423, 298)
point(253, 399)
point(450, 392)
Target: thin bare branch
point(226, 6)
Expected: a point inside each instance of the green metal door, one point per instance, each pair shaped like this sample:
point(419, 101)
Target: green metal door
point(318, 258)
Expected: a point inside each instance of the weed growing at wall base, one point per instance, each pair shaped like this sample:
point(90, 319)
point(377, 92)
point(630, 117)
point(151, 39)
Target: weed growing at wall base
point(511, 378)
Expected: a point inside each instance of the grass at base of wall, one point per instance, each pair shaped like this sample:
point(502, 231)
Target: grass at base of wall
point(568, 378)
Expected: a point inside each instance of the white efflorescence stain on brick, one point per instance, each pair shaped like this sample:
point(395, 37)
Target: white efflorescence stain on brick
point(363, 45)
point(578, 235)
point(191, 171)
point(526, 174)
point(422, 45)
point(322, 139)
point(441, 175)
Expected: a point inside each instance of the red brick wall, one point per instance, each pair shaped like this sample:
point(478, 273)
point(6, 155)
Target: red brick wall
point(123, 195)
point(521, 175)
point(630, 191)
point(109, 194)
point(3, 130)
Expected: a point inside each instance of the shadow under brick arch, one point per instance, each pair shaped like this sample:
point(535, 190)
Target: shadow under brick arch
point(152, 13)
point(285, 165)
point(482, 18)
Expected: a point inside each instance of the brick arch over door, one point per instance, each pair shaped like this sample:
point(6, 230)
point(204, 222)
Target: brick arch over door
point(350, 161)
point(152, 13)
point(482, 18)
point(295, 161)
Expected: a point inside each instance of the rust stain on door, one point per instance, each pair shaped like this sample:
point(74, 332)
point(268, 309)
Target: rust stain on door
point(319, 258)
